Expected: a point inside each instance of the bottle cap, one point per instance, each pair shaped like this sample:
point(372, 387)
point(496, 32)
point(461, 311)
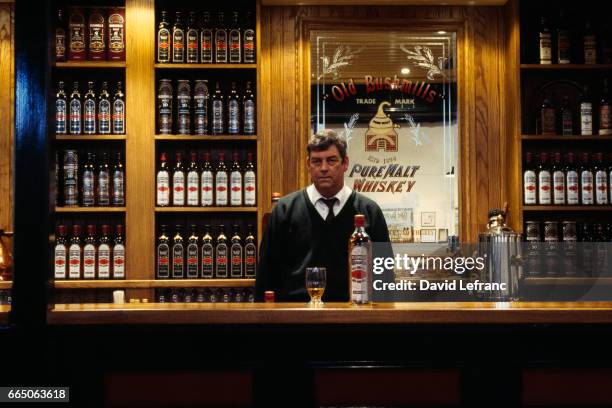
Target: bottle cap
point(269, 296)
point(276, 196)
point(359, 220)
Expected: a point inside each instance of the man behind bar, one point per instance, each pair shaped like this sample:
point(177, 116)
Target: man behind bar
point(312, 226)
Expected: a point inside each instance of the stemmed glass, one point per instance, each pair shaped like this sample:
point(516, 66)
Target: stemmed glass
point(316, 279)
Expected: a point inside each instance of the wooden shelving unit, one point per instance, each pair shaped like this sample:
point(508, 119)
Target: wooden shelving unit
point(206, 66)
point(90, 138)
point(152, 283)
point(226, 138)
point(205, 209)
point(89, 209)
point(90, 64)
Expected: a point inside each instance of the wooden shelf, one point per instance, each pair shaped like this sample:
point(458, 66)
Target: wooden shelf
point(90, 64)
point(205, 137)
point(90, 138)
point(557, 138)
point(204, 209)
point(562, 208)
point(89, 209)
point(206, 66)
point(565, 67)
point(568, 281)
point(6, 285)
point(152, 283)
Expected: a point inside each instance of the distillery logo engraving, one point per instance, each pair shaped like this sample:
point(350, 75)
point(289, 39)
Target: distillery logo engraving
point(381, 134)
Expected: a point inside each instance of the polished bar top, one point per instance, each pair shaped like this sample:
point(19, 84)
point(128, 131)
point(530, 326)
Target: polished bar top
point(333, 313)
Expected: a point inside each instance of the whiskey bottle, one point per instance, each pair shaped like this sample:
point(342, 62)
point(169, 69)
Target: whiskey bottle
point(547, 117)
point(563, 41)
point(97, 35)
point(89, 110)
point(178, 181)
point(104, 254)
point(75, 110)
point(118, 182)
point(163, 182)
point(235, 182)
point(236, 254)
point(360, 263)
point(217, 111)
point(207, 182)
point(200, 107)
point(193, 248)
point(248, 42)
point(601, 180)
point(163, 39)
point(89, 253)
point(572, 181)
point(60, 37)
point(60, 253)
point(75, 253)
point(233, 111)
point(250, 254)
point(178, 40)
point(119, 111)
point(183, 108)
point(192, 39)
point(248, 109)
point(605, 111)
point(558, 180)
point(119, 253)
point(193, 181)
point(589, 42)
point(220, 40)
point(207, 254)
point(545, 40)
point(76, 29)
point(221, 254)
point(104, 111)
point(250, 181)
point(116, 34)
point(164, 107)
point(163, 254)
point(544, 181)
point(206, 40)
point(60, 110)
point(178, 255)
point(235, 40)
point(610, 176)
point(567, 118)
point(586, 181)
point(88, 189)
point(586, 256)
point(71, 178)
point(586, 113)
point(221, 182)
point(104, 182)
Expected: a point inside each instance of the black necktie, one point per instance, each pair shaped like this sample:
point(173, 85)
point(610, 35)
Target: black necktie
point(329, 202)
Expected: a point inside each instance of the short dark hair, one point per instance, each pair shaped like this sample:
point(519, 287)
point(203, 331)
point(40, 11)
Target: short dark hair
point(323, 139)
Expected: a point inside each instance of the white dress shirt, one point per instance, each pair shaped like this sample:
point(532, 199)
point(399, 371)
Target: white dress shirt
point(322, 208)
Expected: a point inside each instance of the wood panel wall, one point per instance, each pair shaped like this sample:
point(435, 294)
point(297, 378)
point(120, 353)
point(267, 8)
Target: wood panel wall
point(483, 99)
point(7, 91)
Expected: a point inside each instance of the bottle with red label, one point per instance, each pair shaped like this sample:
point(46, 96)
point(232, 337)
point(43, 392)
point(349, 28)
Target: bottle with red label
point(586, 181)
point(77, 37)
point(60, 37)
point(235, 182)
point(250, 254)
point(601, 180)
point(236, 254)
point(221, 182)
point(220, 39)
point(60, 253)
point(558, 180)
point(192, 39)
point(544, 181)
point(208, 254)
point(207, 182)
point(178, 254)
point(178, 181)
point(96, 49)
point(221, 254)
point(360, 263)
point(193, 181)
point(530, 181)
point(162, 261)
point(163, 39)
point(248, 41)
point(75, 253)
point(193, 249)
point(104, 254)
point(163, 182)
point(250, 181)
point(547, 117)
point(235, 40)
point(572, 181)
point(119, 253)
point(178, 40)
point(206, 40)
point(90, 253)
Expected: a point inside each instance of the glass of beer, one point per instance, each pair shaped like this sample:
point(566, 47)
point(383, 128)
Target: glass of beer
point(316, 278)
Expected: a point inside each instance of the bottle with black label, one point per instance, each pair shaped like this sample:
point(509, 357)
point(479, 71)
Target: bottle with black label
point(193, 248)
point(235, 40)
point(544, 181)
point(250, 254)
point(217, 111)
point(89, 253)
point(104, 182)
point(572, 180)
point(88, 190)
point(119, 111)
point(77, 35)
point(104, 254)
point(221, 254)
point(220, 39)
point(530, 185)
point(233, 111)
point(589, 42)
point(601, 180)
point(236, 254)
point(119, 253)
point(164, 107)
point(248, 41)
point(547, 117)
point(75, 111)
point(206, 40)
point(558, 180)
point(567, 118)
point(250, 181)
point(207, 254)
point(178, 39)
point(104, 111)
point(235, 182)
point(60, 253)
point(75, 253)
point(60, 110)
point(200, 107)
point(163, 182)
point(545, 41)
point(605, 111)
point(600, 259)
point(587, 248)
point(89, 110)
point(96, 49)
point(60, 37)
point(207, 182)
point(586, 113)
point(248, 108)
point(71, 178)
point(163, 39)
point(178, 181)
point(221, 182)
point(178, 254)
point(193, 181)
point(586, 181)
point(563, 41)
point(183, 108)
point(163, 254)
point(118, 182)
point(192, 35)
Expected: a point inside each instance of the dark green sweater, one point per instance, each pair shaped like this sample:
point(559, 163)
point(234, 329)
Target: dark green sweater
point(297, 237)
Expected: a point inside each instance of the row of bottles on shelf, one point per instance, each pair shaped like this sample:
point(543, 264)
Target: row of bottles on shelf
point(205, 295)
point(91, 34)
point(89, 184)
point(204, 41)
point(561, 120)
point(94, 257)
point(194, 257)
point(566, 183)
point(567, 248)
point(203, 185)
point(90, 114)
point(561, 47)
point(187, 112)
point(6, 298)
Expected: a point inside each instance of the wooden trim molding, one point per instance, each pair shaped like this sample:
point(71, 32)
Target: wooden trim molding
point(7, 118)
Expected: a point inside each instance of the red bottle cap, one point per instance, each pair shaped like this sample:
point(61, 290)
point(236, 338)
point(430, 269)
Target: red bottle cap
point(359, 220)
point(269, 296)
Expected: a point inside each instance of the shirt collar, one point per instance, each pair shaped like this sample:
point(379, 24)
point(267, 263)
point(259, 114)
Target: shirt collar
point(342, 195)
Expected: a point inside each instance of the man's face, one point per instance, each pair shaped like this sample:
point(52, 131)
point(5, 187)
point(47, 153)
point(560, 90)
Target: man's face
point(327, 170)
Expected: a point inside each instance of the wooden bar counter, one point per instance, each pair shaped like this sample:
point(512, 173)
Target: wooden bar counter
point(334, 313)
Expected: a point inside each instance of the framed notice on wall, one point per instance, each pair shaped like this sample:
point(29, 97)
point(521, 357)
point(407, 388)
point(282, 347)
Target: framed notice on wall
point(393, 96)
